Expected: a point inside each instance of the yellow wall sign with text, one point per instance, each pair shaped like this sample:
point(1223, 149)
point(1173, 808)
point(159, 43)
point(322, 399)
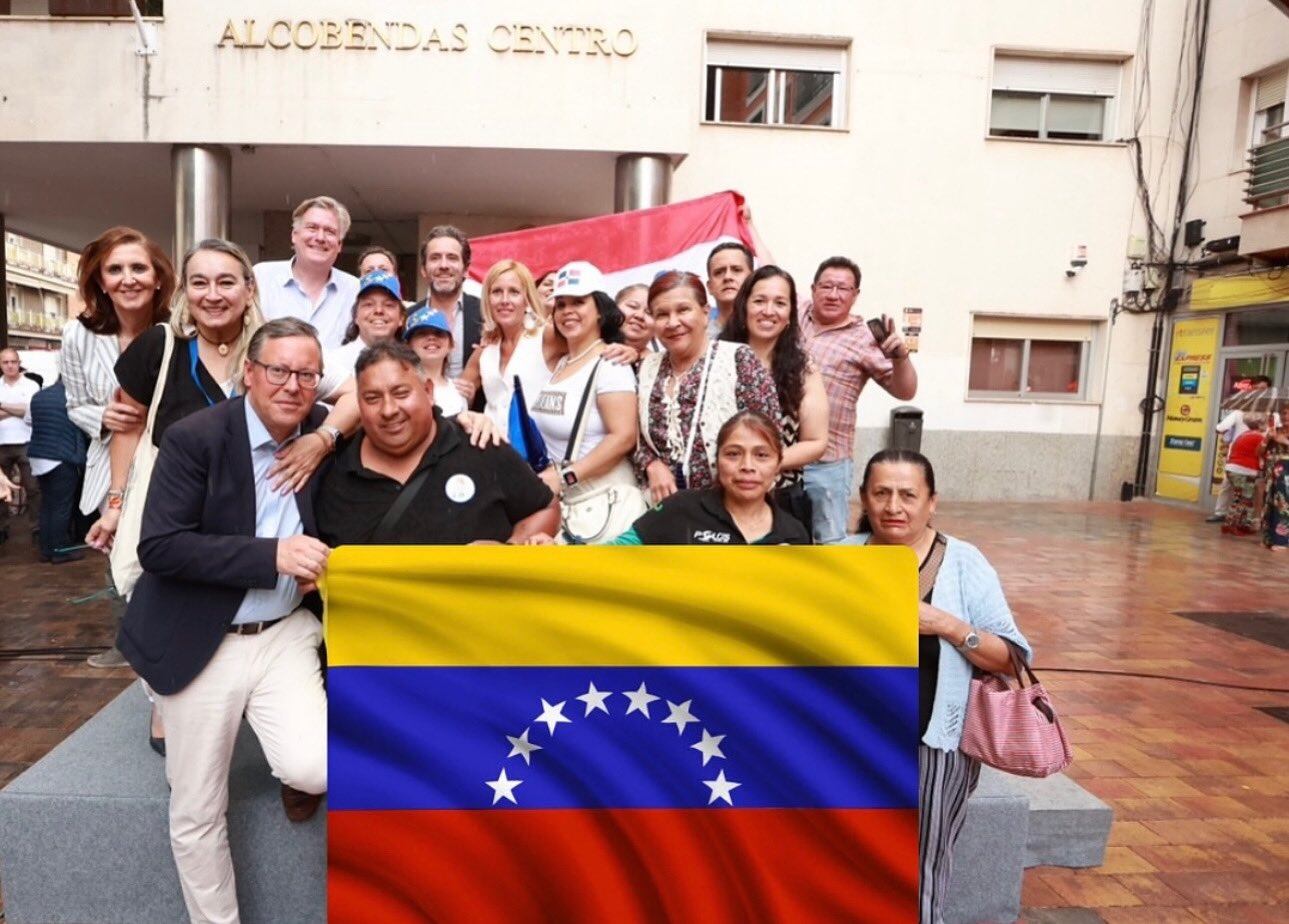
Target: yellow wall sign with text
point(1190, 382)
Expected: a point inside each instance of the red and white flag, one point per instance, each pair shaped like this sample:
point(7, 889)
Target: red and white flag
point(628, 247)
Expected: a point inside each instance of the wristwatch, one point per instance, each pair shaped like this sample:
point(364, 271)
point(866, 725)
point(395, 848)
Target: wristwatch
point(970, 643)
point(333, 433)
point(569, 476)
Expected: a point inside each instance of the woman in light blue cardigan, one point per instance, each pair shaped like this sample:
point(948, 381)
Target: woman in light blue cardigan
point(963, 623)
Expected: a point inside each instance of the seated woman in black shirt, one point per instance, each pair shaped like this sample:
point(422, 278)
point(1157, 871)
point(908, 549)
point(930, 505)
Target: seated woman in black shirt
point(737, 511)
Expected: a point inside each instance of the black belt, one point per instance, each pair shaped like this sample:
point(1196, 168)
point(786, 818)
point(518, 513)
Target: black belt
point(253, 628)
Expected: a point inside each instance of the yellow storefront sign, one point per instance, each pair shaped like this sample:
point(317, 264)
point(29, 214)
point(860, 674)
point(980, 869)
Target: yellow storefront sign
point(1190, 382)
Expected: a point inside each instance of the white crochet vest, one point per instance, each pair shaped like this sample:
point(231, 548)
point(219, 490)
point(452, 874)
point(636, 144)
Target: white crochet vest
point(719, 400)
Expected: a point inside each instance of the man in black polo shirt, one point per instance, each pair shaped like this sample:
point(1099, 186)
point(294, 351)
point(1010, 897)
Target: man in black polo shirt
point(410, 476)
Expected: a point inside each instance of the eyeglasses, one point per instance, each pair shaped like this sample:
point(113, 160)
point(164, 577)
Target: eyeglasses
point(280, 375)
point(834, 287)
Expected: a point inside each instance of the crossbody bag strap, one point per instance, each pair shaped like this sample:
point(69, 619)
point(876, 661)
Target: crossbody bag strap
point(579, 422)
point(396, 510)
point(167, 353)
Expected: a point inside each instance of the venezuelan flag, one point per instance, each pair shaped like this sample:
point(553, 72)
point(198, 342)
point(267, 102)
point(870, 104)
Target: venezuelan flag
point(622, 734)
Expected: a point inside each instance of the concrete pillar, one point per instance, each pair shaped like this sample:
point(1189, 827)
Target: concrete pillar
point(641, 181)
point(202, 176)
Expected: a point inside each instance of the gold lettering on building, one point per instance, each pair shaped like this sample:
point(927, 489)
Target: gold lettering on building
point(367, 35)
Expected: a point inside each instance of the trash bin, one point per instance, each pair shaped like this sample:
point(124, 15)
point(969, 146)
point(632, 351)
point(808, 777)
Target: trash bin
point(906, 428)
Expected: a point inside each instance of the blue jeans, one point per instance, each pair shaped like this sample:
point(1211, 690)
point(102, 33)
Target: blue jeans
point(828, 486)
point(60, 489)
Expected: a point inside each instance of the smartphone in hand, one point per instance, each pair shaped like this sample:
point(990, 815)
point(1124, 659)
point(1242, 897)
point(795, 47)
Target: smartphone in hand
point(877, 327)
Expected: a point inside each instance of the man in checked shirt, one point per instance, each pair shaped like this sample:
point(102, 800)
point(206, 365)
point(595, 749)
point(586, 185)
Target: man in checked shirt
point(848, 355)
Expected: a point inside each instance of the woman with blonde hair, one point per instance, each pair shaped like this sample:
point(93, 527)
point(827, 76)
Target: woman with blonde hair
point(516, 340)
point(214, 315)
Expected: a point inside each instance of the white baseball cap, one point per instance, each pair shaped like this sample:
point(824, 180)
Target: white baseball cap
point(578, 278)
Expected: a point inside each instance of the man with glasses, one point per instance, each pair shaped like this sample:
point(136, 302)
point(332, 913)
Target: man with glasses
point(224, 620)
point(848, 356)
point(308, 286)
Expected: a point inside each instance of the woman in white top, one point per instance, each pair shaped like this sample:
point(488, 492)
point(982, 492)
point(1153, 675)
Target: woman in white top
point(597, 451)
point(126, 282)
point(430, 335)
point(516, 340)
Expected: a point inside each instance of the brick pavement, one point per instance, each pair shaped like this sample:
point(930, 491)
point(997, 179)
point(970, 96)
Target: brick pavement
point(1197, 775)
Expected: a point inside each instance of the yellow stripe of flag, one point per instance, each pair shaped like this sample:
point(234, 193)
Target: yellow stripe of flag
point(676, 606)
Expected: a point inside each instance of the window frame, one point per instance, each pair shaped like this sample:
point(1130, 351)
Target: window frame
point(1113, 102)
point(762, 56)
point(1080, 396)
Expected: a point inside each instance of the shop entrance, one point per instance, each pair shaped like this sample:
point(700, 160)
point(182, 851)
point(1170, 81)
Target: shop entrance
point(1254, 342)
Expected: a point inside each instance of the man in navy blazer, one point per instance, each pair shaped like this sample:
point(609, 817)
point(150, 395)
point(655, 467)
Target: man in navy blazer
point(215, 624)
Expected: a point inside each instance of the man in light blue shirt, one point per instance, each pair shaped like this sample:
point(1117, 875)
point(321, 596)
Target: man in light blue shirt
point(223, 623)
point(308, 286)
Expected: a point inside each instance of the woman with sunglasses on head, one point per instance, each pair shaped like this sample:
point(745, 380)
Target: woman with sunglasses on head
point(689, 390)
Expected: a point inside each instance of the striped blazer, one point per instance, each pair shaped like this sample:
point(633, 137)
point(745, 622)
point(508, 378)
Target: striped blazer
point(89, 372)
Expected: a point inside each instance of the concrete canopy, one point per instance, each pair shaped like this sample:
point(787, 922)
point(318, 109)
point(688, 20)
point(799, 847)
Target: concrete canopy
point(66, 193)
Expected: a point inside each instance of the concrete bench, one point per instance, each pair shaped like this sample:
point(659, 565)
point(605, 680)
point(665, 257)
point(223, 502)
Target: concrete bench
point(84, 833)
point(1014, 823)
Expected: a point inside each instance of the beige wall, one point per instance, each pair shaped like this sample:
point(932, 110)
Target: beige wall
point(939, 216)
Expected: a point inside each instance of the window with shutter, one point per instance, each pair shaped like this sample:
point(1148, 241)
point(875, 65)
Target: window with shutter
point(1061, 99)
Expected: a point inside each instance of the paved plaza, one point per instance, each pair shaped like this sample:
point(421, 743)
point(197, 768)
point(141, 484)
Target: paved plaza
point(1196, 768)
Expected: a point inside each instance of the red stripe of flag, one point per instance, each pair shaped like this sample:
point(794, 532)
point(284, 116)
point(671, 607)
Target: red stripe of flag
point(616, 242)
point(628, 866)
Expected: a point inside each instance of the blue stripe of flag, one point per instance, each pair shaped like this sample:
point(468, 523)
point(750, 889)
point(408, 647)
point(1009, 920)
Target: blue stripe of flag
point(433, 737)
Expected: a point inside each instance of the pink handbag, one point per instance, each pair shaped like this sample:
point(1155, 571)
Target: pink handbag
point(1015, 730)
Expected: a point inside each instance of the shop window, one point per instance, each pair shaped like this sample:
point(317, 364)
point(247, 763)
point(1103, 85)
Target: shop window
point(1027, 358)
point(1256, 326)
point(1058, 99)
point(774, 83)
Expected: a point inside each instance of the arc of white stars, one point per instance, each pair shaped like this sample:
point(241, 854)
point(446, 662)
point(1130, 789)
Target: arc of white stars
point(710, 746)
point(680, 716)
point(640, 700)
point(503, 788)
point(594, 699)
point(721, 788)
point(524, 748)
point(553, 715)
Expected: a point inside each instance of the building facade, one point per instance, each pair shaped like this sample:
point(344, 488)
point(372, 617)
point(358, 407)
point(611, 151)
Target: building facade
point(977, 162)
point(40, 292)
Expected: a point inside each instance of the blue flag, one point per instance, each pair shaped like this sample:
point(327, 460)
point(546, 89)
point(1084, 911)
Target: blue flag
point(524, 435)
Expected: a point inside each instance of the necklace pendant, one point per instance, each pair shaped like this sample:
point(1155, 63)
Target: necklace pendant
point(223, 349)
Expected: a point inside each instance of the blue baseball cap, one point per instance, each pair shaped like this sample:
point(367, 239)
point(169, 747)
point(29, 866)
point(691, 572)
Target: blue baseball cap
point(426, 318)
point(379, 279)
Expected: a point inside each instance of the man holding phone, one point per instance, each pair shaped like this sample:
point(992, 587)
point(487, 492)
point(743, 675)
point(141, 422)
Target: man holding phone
point(848, 352)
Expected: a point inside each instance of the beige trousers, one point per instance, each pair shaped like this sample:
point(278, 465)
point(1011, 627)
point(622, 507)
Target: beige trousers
point(275, 679)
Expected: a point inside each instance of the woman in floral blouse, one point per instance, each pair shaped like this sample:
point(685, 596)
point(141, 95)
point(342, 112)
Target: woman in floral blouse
point(688, 391)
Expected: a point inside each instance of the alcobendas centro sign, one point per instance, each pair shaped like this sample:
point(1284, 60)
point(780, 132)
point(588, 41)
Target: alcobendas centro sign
point(369, 35)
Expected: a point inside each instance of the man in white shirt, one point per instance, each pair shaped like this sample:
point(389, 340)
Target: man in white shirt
point(16, 391)
point(1229, 429)
point(308, 286)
